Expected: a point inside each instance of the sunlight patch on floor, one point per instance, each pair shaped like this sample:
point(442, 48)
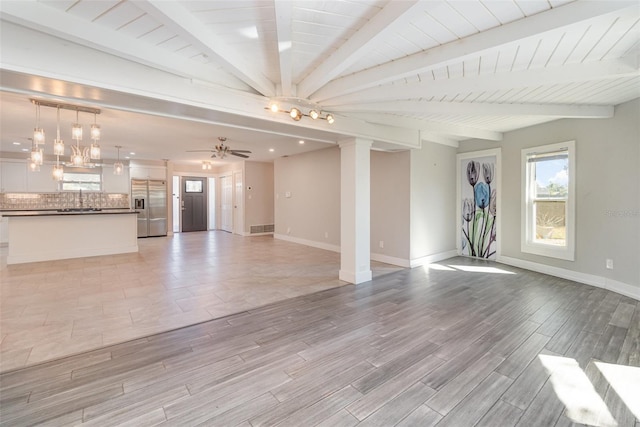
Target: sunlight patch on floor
point(572, 386)
point(625, 380)
point(481, 269)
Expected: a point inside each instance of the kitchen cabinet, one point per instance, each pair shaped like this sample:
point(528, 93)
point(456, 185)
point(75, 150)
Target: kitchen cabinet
point(115, 183)
point(42, 181)
point(13, 176)
point(47, 236)
point(148, 172)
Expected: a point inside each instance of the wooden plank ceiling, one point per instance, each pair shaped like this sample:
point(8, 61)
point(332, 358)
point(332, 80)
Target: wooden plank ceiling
point(451, 69)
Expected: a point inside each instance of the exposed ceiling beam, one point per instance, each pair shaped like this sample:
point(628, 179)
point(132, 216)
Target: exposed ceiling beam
point(393, 15)
point(483, 109)
point(176, 17)
point(45, 19)
point(570, 73)
point(439, 139)
point(284, 12)
point(452, 131)
point(471, 46)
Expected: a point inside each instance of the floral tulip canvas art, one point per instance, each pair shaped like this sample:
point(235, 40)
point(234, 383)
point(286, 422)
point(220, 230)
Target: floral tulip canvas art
point(478, 207)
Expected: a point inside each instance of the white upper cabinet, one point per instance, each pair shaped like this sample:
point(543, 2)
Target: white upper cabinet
point(41, 181)
point(13, 176)
point(148, 172)
point(115, 183)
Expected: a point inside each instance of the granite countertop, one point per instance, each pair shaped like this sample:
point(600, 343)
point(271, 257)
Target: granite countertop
point(64, 212)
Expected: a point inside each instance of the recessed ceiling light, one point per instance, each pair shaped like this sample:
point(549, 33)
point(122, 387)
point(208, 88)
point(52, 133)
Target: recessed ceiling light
point(127, 157)
point(271, 150)
point(24, 149)
point(301, 142)
point(132, 153)
point(16, 143)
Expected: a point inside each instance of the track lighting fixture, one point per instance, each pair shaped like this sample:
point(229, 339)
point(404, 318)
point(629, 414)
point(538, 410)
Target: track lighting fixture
point(293, 107)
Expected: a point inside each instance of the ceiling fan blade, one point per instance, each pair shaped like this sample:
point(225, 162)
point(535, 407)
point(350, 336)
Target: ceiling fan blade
point(239, 155)
point(213, 156)
point(240, 151)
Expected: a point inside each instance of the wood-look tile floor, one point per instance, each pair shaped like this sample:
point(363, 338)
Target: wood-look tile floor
point(461, 343)
point(55, 309)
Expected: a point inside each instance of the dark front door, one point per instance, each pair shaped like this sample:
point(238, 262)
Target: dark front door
point(194, 204)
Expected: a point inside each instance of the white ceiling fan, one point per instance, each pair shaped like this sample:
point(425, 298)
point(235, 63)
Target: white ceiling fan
point(220, 150)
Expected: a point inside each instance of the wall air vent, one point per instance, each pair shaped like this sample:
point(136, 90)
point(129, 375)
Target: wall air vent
point(260, 229)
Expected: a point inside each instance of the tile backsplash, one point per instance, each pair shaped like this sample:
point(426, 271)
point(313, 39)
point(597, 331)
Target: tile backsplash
point(63, 200)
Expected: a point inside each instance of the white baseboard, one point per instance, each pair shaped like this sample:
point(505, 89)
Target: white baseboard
point(313, 244)
point(355, 278)
point(335, 248)
point(588, 279)
point(247, 234)
point(425, 260)
point(400, 262)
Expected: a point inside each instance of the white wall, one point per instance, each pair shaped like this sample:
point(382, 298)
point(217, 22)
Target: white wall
point(313, 180)
point(313, 208)
point(258, 206)
point(607, 190)
point(433, 203)
point(390, 194)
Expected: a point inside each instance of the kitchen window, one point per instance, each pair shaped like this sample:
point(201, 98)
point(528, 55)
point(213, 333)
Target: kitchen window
point(548, 200)
point(85, 181)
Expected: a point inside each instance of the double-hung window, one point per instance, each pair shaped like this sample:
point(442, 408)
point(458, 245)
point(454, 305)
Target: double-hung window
point(548, 200)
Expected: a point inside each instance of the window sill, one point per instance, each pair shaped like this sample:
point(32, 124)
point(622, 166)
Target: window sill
point(563, 253)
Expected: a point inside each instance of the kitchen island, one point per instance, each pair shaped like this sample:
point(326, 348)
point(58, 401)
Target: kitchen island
point(75, 233)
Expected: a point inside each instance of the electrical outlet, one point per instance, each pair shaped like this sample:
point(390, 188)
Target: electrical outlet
point(609, 264)
point(381, 244)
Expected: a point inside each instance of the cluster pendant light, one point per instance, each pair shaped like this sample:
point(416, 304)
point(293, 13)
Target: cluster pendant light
point(80, 156)
point(58, 150)
point(36, 156)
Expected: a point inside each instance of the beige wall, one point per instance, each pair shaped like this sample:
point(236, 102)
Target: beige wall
point(607, 191)
point(433, 201)
point(258, 201)
point(390, 176)
point(313, 181)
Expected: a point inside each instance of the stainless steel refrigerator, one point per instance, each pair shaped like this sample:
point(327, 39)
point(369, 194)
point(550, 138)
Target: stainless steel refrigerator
point(150, 200)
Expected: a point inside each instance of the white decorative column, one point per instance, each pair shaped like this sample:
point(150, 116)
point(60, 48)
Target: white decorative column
point(355, 210)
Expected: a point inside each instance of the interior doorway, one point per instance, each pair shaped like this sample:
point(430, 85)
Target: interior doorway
point(226, 203)
point(212, 203)
point(238, 206)
point(175, 204)
point(194, 204)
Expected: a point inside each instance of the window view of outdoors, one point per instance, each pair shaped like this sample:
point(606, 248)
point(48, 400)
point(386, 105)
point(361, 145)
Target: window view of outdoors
point(550, 200)
point(81, 181)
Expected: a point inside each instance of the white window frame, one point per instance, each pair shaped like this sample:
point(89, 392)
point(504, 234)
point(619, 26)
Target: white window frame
point(527, 242)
